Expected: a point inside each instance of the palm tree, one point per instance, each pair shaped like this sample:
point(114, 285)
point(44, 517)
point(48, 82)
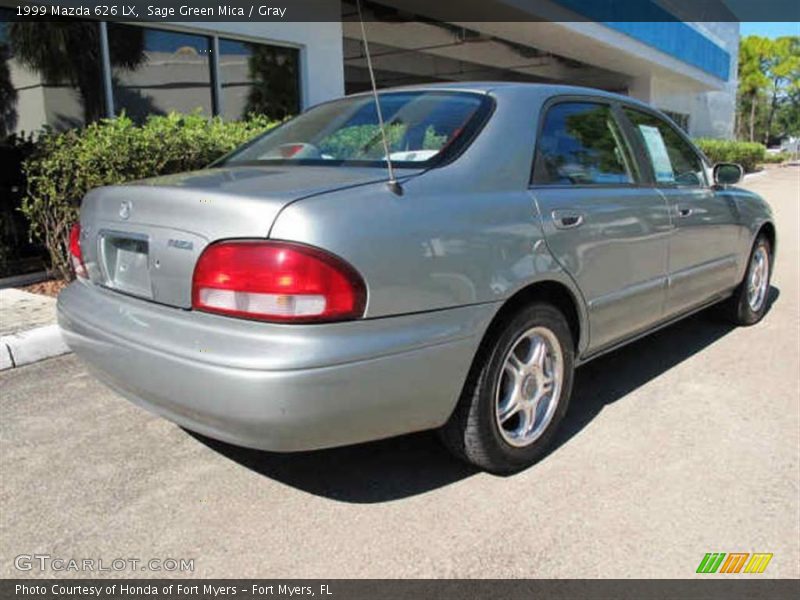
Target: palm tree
point(69, 52)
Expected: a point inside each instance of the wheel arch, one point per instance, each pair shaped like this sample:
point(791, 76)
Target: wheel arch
point(768, 229)
point(557, 293)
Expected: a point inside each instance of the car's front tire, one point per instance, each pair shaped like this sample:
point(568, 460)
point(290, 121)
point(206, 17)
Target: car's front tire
point(516, 393)
point(749, 302)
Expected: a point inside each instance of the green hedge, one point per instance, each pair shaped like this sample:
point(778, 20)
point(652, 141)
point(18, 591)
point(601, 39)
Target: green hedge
point(747, 154)
point(777, 158)
point(66, 165)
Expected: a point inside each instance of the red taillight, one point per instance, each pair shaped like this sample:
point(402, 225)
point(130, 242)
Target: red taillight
point(76, 254)
point(276, 281)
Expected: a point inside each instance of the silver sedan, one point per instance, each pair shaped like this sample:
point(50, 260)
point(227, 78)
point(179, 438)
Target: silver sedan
point(289, 298)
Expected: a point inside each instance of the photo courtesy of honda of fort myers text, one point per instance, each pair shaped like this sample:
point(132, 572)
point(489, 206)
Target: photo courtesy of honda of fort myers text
point(399, 299)
point(172, 589)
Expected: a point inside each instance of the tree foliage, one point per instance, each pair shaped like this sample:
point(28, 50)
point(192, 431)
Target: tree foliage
point(769, 88)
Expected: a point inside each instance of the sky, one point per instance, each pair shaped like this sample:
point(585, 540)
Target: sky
point(770, 30)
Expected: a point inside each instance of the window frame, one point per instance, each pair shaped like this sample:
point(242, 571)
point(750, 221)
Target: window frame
point(648, 163)
point(671, 115)
point(214, 81)
point(217, 78)
point(217, 102)
point(641, 177)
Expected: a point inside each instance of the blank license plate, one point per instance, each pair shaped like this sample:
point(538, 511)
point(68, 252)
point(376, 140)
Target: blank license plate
point(126, 263)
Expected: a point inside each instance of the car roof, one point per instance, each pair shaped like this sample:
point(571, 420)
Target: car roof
point(511, 87)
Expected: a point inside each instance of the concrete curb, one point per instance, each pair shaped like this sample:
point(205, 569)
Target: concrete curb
point(20, 280)
point(756, 175)
point(25, 347)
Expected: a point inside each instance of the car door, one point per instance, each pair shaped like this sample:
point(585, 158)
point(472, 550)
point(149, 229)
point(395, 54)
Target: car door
point(603, 222)
point(702, 248)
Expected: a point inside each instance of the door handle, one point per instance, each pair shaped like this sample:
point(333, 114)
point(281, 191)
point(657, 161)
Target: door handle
point(567, 219)
point(684, 211)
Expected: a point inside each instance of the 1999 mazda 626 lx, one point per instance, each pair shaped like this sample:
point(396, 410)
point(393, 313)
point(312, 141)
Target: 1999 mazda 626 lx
point(288, 297)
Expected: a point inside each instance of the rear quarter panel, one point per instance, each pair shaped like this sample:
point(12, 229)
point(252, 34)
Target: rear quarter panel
point(465, 233)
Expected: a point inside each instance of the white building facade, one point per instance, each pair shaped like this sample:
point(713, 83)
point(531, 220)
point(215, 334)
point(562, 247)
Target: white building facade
point(232, 68)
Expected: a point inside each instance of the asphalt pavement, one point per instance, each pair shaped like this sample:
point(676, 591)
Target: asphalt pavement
point(685, 443)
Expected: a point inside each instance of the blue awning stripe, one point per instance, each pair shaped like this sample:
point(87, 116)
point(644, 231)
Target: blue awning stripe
point(651, 24)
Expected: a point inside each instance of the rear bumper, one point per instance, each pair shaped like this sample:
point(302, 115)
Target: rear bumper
point(276, 387)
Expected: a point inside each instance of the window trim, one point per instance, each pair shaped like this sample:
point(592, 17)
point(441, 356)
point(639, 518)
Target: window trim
point(105, 70)
point(640, 176)
point(212, 70)
point(648, 162)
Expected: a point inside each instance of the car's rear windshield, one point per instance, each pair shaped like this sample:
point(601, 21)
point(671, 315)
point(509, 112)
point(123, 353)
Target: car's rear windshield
point(423, 128)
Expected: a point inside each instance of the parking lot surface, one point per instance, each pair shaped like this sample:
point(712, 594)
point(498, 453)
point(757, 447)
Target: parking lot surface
point(684, 443)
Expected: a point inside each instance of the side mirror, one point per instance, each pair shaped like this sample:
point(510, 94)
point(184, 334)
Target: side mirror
point(728, 173)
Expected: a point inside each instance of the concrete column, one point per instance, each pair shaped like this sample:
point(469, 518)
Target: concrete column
point(641, 88)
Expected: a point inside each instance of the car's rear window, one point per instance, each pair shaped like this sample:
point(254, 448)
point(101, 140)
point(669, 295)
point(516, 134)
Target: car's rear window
point(422, 128)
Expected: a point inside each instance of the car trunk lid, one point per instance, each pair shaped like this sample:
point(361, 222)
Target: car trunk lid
point(144, 238)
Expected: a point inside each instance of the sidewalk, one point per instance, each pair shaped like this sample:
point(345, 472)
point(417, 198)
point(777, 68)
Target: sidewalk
point(28, 329)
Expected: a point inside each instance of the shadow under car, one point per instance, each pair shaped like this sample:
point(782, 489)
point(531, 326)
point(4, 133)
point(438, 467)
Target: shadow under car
point(413, 464)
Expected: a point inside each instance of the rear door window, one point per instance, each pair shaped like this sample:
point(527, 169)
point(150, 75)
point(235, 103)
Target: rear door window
point(580, 143)
point(673, 159)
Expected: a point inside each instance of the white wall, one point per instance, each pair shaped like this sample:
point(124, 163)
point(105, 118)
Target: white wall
point(716, 110)
point(711, 112)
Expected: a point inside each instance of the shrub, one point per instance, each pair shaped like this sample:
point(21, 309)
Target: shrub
point(747, 154)
point(67, 165)
point(777, 157)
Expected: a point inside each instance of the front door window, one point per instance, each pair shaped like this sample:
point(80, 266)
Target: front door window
point(673, 159)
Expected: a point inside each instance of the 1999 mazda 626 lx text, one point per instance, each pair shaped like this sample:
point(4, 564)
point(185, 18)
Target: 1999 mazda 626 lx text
point(291, 296)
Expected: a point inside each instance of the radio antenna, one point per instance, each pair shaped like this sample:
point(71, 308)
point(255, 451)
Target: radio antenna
point(392, 184)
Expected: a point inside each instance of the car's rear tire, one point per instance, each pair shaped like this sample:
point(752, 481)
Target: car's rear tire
point(516, 393)
point(750, 300)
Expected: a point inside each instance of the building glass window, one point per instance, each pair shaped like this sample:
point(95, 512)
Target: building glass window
point(680, 119)
point(581, 144)
point(258, 78)
point(157, 72)
point(49, 74)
